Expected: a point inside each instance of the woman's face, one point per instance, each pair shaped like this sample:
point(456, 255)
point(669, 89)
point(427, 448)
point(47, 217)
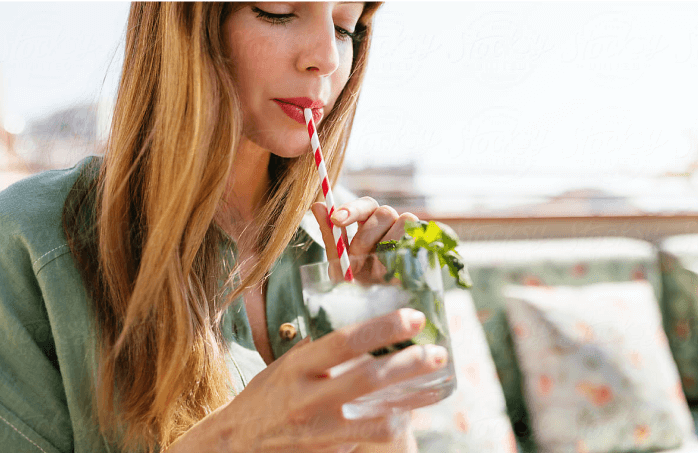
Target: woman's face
point(287, 54)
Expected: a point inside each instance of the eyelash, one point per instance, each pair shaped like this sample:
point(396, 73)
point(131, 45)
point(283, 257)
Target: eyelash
point(282, 19)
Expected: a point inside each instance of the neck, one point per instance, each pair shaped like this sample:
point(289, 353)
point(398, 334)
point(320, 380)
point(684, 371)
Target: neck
point(247, 186)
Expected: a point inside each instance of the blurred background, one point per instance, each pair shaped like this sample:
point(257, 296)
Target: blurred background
point(480, 114)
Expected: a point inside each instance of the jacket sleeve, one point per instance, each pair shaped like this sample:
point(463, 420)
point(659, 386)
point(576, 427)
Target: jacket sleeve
point(34, 416)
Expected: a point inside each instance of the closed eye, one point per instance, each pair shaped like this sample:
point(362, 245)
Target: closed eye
point(282, 19)
point(272, 18)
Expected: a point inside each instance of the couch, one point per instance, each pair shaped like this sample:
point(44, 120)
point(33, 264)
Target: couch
point(572, 345)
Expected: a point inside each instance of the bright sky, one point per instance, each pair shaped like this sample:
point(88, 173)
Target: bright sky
point(57, 54)
point(551, 86)
point(475, 88)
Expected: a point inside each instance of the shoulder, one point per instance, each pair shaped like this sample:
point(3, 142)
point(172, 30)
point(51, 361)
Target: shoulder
point(31, 211)
point(46, 326)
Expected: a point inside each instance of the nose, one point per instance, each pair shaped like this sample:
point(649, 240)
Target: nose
point(318, 52)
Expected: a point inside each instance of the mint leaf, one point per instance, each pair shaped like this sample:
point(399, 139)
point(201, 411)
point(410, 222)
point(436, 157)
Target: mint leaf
point(435, 237)
point(386, 246)
point(440, 241)
point(414, 228)
point(448, 237)
point(432, 235)
point(457, 269)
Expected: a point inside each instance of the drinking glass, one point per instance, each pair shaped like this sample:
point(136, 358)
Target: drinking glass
point(383, 282)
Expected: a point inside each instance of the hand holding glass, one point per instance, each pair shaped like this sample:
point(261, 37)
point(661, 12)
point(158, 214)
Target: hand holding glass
point(383, 282)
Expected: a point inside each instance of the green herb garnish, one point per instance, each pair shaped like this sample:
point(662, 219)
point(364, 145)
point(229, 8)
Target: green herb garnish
point(435, 237)
point(386, 246)
point(440, 243)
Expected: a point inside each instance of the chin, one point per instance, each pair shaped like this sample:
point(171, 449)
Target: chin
point(288, 153)
point(286, 145)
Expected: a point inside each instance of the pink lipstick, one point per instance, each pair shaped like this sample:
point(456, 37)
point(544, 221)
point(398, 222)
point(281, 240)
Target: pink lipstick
point(293, 107)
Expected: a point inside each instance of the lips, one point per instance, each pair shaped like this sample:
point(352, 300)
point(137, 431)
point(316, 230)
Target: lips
point(293, 107)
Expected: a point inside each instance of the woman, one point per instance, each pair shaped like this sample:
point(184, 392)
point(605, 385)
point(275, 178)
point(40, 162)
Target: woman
point(140, 293)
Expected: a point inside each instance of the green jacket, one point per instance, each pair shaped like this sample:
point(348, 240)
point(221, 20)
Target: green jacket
point(47, 334)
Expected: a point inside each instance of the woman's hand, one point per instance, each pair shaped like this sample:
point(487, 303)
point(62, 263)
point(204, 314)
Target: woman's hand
point(295, 404)
point(376, 224)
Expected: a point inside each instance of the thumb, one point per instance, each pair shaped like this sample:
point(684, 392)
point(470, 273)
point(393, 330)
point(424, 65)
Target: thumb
point(284, 356)
point(300, 343)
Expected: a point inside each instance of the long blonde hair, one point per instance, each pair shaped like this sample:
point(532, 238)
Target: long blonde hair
point(151, 261)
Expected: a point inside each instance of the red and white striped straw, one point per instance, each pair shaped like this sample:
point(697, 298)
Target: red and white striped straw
point(327, 191)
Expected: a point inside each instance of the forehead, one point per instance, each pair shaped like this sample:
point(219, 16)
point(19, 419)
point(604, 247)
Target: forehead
point(358, 5)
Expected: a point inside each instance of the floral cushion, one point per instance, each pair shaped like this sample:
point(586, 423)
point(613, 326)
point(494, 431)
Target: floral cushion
point(541, 263)
point(597, 371)
point(679, 266)
point(473, 418)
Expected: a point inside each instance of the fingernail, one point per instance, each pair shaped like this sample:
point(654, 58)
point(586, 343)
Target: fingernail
point(437, 354)
point(417, 319)
point(340, 215)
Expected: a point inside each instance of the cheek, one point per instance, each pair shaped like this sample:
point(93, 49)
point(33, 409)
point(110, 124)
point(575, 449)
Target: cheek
point(341, 75)
point(256, 53)
point(257, 59)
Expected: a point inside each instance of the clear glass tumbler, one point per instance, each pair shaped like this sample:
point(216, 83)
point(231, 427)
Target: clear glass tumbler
point(384, 282)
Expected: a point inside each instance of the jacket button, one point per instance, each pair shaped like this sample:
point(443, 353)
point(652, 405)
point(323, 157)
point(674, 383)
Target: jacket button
point(287, 331)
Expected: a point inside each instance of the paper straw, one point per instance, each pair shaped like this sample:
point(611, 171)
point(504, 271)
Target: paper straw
point(327, 191)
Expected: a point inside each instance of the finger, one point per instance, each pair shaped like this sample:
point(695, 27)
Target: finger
point(372, 375)
point(277, 363)
point(398, 229)
point(320, 213)
point(344, 448)
point(347, 448)
point(373, 230)
point(352, 341)
point(300, 344)
point(354, 211)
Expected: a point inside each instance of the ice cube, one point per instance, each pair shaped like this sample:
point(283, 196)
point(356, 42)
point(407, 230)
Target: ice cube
point(350, 303)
